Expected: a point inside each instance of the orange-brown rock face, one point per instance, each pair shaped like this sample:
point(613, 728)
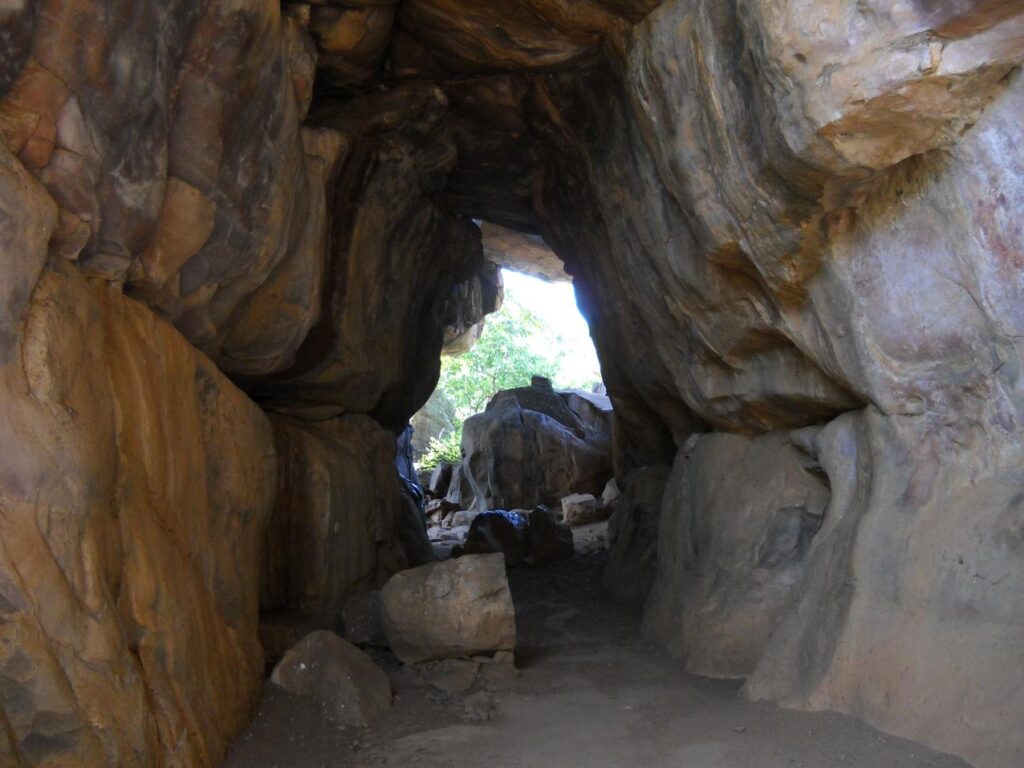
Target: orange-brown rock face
point(135, 488)
point(522, 252)
point(161, 153)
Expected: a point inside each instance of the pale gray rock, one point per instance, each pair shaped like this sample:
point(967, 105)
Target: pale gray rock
point(611, 493)
point(579, 509)
point(738, 518)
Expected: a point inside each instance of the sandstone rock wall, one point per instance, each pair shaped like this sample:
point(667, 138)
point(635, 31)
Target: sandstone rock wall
point(738, 518)
point(792, 225)
point(769, 229)
point(334, 528)
point(910, 612)
point(136, 484)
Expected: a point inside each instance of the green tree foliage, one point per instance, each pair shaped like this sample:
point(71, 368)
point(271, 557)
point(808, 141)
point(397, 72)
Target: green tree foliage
point(447, 447)
point(502, 358)
point(515, 346)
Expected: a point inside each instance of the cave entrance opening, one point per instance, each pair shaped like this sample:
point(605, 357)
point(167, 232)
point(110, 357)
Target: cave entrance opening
point(537, 331)
point(525, 398)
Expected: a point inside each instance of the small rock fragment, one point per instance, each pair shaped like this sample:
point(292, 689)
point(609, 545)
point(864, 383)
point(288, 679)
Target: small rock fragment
point(579, 509)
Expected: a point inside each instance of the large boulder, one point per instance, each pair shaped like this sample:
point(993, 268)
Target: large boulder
point(529, 448)
point(454, 608)
point(549, 540)
point(737, 521)
point(349, 687)
point(594, 410)
point(498, 531)
point(137, 481)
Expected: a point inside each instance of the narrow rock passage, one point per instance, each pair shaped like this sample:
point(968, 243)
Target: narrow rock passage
point(590, 694)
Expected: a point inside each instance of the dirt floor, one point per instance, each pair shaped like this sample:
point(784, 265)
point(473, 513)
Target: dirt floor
point(590, 693)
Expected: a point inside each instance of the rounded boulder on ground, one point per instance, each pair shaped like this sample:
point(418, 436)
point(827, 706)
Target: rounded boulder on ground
point(350, 687)
point(449, 609)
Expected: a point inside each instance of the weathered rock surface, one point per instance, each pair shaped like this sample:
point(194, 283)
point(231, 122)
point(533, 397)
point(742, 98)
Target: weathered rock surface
point(594, 410)
point(336, 528)
point(455, 608)
point(466, 37)
point(390, 237)
point(788, 210)
point(739, 516)
point(522, 252)
point(528, 448)
point(633, 536)
point(349, 687)
point(467, 306)
point(499, 531)
point(902, 599)
point(135, 487)
point(579, 509)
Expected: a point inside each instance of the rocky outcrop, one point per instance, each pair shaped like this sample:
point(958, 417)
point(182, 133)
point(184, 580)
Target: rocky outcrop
point(391, 237)
point(164, 178)
point(136, 484)
point(456, 608)
point(522, 252)
point(633, 536)
point(594, 410)
point(529, 448)
point(335, 529)
point(738, 518)
point(434, 419)
point(467, 306)
point(902, 597)
point(788, 210)
point(350, 689)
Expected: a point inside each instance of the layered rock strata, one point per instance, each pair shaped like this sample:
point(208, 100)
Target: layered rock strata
point(136, 485)
point(791, 225)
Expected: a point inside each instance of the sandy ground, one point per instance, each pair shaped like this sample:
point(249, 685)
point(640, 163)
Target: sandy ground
point(590, 693)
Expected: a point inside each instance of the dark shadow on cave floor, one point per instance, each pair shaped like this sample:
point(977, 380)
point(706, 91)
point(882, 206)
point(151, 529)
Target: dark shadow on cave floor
point(590, 694)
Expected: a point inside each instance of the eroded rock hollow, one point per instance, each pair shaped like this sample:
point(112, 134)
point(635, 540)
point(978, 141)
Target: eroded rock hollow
point(235, 237)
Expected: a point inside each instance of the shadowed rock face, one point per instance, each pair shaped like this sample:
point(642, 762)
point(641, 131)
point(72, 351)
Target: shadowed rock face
point(529, 447)
point(794, 226)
